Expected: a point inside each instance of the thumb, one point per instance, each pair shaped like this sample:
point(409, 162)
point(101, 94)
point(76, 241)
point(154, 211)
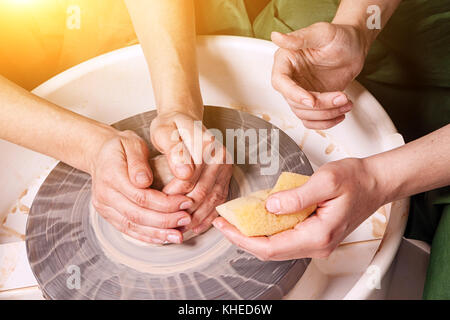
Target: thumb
point(315, 36)
point(294, 200)
point(167, 140)
point(139, 170)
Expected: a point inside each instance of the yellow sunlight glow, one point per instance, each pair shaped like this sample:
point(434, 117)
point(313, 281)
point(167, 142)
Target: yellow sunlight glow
point(20, 2)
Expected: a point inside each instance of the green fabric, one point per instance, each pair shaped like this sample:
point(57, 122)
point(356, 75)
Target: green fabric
point(288, 15)
point(415, 111)
point(225, 17)
point(407, 70)
point(415, 46)
point(437, 285)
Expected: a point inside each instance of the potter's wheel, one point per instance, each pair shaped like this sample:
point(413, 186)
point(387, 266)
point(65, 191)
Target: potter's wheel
point(64, 234)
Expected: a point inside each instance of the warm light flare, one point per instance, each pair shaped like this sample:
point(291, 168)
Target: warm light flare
point(20, 2)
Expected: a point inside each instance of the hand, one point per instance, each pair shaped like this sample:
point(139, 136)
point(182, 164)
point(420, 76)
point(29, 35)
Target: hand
point(313, 66)
point(199, 167)
point(121, 176)
point(346, 193)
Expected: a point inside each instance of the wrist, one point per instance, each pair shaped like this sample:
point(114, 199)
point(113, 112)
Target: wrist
point(194, 111)
point(99, 135)
point(358, 22)
point(361, 34)
point(384, 182)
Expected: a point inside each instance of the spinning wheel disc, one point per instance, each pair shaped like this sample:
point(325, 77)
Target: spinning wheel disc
point(64, 235)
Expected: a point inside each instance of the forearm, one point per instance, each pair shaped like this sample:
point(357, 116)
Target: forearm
point(37, 124)
point(419, 166)
point(166, 31)
point(354, 13)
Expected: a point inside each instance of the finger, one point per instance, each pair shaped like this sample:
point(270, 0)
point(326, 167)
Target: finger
point(137, 155)
point(318, 114)
point(134, 230)
point(217, 196)
point(204, 177)
point(335, 99)
point(254, 245)
point(282, 82)
point(206, 224)
point(204, 185)
point(180, 162)
point(178, 186)
point(315, 36)
point(309, 239)
point(149, 198)
point(145, 237)
point(200, 218)
point(196, 141)
point(195, 138)
point(326, 100)
point(146, 217)
point(320, 187)
point(166, 138)
point(323, 125)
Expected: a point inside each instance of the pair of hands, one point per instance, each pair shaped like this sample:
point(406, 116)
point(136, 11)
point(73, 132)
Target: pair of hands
point(311, 68)
point(122, 176)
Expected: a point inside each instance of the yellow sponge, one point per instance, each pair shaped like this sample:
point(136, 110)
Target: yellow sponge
point(249, 213)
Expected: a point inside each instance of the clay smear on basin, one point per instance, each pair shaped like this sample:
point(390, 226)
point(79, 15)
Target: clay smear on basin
point(378, 225)
point(330, 148)
point(7, 266)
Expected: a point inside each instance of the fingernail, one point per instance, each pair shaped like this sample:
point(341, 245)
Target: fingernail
point(173, 238)
point(142, 177)
point(273, 205)
point(184, 221)
point(340, 100)
point(308, 103)
point(186, 205)
point(345, 108)
point(218, 224)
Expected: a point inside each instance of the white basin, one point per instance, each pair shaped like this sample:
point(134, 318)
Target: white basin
point(235, 72)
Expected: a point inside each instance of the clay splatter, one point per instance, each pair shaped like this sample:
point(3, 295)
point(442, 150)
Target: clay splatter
point(330, 148)
point(378, 227)
point(23, 194)
point(24, 208)
point(305, 136)
point(321, 133)
point(266, 117)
